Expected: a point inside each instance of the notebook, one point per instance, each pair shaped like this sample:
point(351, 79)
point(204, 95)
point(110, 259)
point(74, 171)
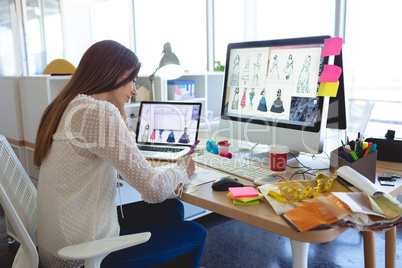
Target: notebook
point(167, 130)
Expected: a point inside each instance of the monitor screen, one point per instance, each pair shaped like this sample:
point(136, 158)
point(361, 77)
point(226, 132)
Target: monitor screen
point(274, 84)
point(168, 123)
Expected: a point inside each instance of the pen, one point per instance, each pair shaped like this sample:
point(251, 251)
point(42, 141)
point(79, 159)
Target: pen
point(346, 156)
point(193, 147)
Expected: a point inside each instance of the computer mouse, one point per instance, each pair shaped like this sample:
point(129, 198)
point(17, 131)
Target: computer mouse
point(222, 184)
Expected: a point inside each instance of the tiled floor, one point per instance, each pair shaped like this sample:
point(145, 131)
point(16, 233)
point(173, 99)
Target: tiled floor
point(231, 243)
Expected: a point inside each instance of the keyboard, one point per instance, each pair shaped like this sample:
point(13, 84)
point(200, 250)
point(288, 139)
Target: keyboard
point(248, 170)
point(159, 149)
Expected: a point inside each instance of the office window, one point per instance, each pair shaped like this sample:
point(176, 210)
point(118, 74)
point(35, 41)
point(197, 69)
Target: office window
point(180, 22)
point(249, 20)
point(34, 38)
point(372, 62)
point(111, 20)
point(9, 42)
point(53, 30)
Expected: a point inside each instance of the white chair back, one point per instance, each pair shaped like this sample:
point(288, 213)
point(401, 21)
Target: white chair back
point(18, 199)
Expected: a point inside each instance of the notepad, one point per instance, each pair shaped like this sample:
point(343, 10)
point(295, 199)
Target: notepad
point(240, 203)
point(239, 192)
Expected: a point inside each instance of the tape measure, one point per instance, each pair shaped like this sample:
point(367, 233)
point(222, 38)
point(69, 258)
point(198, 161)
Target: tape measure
point(296, 193)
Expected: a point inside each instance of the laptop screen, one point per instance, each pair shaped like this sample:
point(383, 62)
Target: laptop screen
point(168, 123)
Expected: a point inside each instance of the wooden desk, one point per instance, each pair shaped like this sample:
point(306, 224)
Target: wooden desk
point(263, 216)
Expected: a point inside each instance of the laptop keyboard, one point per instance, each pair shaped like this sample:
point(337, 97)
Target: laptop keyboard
point(160, 149)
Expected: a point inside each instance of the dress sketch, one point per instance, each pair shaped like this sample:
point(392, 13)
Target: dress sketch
point(234, 80)
point(243, 99)
point(289, 67)
point(246, 71)
point(160, 134)
point(257, 67)
point(274, 71)
point(184, 138)
point(153, 135)
point(277, 106)
point(262, 106)
point(304, 77)
point(251, 94)
point(235, 102)
point(145, 135)
point(171, 137)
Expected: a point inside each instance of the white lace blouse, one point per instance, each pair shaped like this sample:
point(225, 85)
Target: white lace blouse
point(77, 181)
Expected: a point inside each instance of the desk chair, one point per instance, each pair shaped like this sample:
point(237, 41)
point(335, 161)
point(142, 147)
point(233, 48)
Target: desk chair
point(18, 199)
point(59, 66)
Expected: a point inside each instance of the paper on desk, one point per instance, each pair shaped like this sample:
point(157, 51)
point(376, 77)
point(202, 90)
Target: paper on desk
point(201, 175)
point(358, 180)
point(277, 206)
point(359, 203)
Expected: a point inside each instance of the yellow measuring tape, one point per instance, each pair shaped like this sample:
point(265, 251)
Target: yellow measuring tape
point(296, 193)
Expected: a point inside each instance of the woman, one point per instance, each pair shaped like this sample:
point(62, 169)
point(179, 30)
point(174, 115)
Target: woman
point(82, 141)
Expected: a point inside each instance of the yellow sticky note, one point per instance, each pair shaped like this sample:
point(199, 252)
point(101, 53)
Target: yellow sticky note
point(328, 89)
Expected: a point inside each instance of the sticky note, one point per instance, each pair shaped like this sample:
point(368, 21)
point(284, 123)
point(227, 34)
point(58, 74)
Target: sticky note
point(331, 73)
point(332, 46)
point(328, 89)
point(239, 192)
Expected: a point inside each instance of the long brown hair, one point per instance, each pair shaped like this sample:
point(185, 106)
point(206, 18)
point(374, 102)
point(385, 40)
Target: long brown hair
point(98, 71)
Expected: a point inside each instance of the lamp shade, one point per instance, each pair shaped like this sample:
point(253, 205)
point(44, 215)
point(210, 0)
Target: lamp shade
point(169, 66)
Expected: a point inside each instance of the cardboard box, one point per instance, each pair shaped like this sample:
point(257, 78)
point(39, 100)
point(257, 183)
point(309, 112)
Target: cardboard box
point(181, 89)
point(365, 165)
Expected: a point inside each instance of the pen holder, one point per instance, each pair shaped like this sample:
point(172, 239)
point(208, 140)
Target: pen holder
point(365, 165)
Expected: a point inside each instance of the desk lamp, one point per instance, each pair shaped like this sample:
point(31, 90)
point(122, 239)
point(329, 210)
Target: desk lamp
point(169, 67)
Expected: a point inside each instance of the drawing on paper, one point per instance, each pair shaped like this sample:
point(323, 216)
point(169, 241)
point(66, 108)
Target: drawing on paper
point(234, 79)
point(246, 71)
point(303, 84)
point(274, 71)
point(235, 102)
point(289, 67)
point(262, 106)
point(277, 106)
point(257, 67)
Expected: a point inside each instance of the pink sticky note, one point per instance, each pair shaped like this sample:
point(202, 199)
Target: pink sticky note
point(330, 73)
point(332, 46)
point(239, 192)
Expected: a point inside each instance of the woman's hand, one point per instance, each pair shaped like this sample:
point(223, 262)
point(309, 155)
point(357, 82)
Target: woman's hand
point(188, 163)
point(123, 114)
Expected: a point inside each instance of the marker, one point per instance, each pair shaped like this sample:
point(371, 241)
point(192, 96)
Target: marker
point(193, 147)
point(346, 156)
point(354, 156)
point(372, 148)
point(368, 148)
point(358, 146)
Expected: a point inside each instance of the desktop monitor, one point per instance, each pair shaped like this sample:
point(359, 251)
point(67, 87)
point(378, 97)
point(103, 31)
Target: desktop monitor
point(270, 93)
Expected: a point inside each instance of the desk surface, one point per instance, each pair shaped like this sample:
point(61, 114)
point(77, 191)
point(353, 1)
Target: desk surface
point(263, 216)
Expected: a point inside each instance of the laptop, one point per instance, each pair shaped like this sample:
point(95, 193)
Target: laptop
point(167, 130)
